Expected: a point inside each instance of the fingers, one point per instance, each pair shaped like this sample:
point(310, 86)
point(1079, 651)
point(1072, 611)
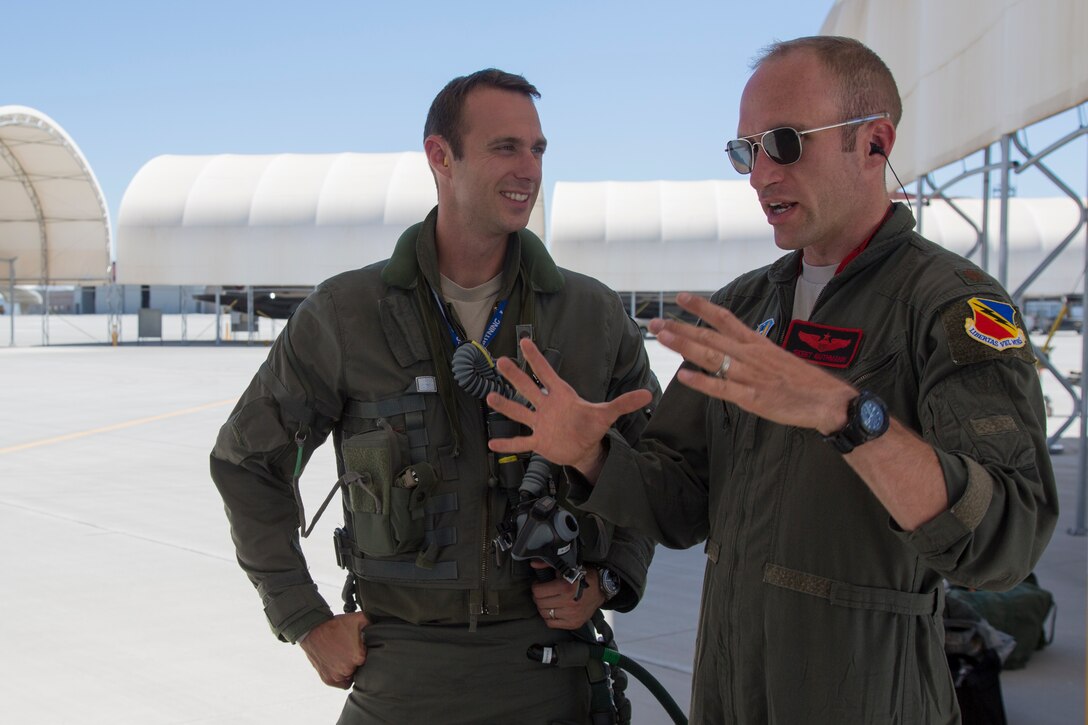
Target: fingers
point(521, 381)
point(556, 603)
point(701, 346)
point(629, 402)
point(544, 372)
point(714, 315)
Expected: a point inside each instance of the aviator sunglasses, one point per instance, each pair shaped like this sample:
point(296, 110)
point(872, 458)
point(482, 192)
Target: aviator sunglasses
point(781, 145)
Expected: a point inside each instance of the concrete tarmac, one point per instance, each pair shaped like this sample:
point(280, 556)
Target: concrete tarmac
point(123, 602)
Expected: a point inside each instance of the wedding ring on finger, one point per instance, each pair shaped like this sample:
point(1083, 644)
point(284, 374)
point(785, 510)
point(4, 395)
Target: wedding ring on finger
point(551, 614)
point(723, 369)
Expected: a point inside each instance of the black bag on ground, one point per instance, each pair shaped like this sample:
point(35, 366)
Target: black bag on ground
point(974, 650)
point(978, 688)
point(1025, 612)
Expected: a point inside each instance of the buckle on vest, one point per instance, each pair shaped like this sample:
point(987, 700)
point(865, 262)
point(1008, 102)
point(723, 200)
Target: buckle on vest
point(342, 545)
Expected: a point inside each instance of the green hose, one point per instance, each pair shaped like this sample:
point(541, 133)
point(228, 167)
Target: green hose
point(575, 655)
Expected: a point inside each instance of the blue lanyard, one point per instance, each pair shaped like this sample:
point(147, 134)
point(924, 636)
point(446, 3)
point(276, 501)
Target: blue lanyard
point(489, 331)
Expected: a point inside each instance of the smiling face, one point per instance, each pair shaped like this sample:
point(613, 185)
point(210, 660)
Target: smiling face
point(824, 203)
point(490, 190)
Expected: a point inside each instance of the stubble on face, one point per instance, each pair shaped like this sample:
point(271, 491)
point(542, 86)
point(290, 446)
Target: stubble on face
point(806, 203)
point(496, 181)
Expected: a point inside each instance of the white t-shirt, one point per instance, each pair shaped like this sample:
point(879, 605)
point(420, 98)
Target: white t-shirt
point(810, 284)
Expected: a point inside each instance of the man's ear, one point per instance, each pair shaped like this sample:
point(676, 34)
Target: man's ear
point(881, 138)
point(439, 154)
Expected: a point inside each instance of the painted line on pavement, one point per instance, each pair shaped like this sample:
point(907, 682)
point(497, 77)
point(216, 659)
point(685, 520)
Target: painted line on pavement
point(115, 426)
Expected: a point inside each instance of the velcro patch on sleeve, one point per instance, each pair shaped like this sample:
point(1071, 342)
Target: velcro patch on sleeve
point(984, 329)
point(833, 347)
point(993, 425)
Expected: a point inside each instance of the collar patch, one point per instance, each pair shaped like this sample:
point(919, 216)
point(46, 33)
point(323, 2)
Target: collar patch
point(765, 326)
point(833, 347)
point(993, 324)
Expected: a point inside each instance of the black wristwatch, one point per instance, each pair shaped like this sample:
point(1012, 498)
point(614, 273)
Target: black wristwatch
point(609, 582)
point(866, 419)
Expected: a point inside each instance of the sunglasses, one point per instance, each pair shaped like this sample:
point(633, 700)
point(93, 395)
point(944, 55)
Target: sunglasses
point(781, 145)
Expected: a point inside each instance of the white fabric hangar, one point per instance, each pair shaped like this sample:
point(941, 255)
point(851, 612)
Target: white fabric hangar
point(53, 218)
point(970, 72)
point(670, 236)
point(269, 220)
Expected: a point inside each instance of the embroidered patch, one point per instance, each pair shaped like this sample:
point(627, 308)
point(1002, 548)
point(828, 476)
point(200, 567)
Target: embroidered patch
point(833, 347)
point(960, 316)
point(765, 326)
point(993, 323)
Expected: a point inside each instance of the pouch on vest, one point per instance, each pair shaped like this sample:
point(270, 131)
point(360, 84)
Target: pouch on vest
point(383, 500)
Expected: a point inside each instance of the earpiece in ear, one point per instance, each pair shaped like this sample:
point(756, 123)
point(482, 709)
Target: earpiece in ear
point(446, 161)
point(875, 148)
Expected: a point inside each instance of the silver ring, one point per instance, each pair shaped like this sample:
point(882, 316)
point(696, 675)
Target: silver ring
point(551, 614)
point(723, 369)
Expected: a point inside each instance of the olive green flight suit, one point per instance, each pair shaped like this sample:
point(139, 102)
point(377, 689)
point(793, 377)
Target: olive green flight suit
point(816, 607)
point(367, 358)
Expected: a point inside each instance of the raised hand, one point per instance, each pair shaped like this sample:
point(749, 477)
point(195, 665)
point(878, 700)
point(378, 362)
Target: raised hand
point(759, 376)
point(566, 429)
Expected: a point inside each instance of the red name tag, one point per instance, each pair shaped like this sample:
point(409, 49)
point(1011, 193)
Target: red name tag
point(833, 347)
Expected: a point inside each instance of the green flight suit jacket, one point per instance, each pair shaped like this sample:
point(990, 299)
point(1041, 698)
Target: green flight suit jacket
point(816, 607)
point(367, 358)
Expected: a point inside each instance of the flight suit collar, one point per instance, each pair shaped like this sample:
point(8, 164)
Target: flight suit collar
point(886, 239)
point(415, 254)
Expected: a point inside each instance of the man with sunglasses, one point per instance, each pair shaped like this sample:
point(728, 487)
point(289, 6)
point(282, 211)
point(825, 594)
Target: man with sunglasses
point(853, 424)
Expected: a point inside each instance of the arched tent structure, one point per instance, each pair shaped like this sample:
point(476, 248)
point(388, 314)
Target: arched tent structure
point(669, 236)
point(654, 236)
point(275, 220)
point(1007, 65)
point(970, 73)
point(54, 223)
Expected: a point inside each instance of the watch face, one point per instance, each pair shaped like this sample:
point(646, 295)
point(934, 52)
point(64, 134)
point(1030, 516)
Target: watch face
point(610, 584)
point(871, 416)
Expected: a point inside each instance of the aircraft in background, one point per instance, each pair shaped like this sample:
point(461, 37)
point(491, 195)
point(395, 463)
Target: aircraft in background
point(279, 303)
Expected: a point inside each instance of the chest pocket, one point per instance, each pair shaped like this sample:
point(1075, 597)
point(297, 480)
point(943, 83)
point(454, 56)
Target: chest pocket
point(390, 503)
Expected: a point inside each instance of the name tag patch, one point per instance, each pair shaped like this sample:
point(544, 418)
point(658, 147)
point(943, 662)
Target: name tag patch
point(833, 347)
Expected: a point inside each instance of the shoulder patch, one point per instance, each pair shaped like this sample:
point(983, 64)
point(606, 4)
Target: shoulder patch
point(984, 329)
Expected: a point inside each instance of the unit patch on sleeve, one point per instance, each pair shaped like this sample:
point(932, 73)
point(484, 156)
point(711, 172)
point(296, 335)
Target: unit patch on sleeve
point(833, 347)
point(982, 329)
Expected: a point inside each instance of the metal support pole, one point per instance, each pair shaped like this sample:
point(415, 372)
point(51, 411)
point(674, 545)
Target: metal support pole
point(920, 197)
point(1081, 527)
point(181, 309)
point(250, 317)
point(11, 297)
point(45, 315)
point(218, 317)
point(1003, 234)
point(984, 253)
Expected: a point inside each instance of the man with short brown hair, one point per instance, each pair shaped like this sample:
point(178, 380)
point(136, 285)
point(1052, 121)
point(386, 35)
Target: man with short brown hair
point(448, 609)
